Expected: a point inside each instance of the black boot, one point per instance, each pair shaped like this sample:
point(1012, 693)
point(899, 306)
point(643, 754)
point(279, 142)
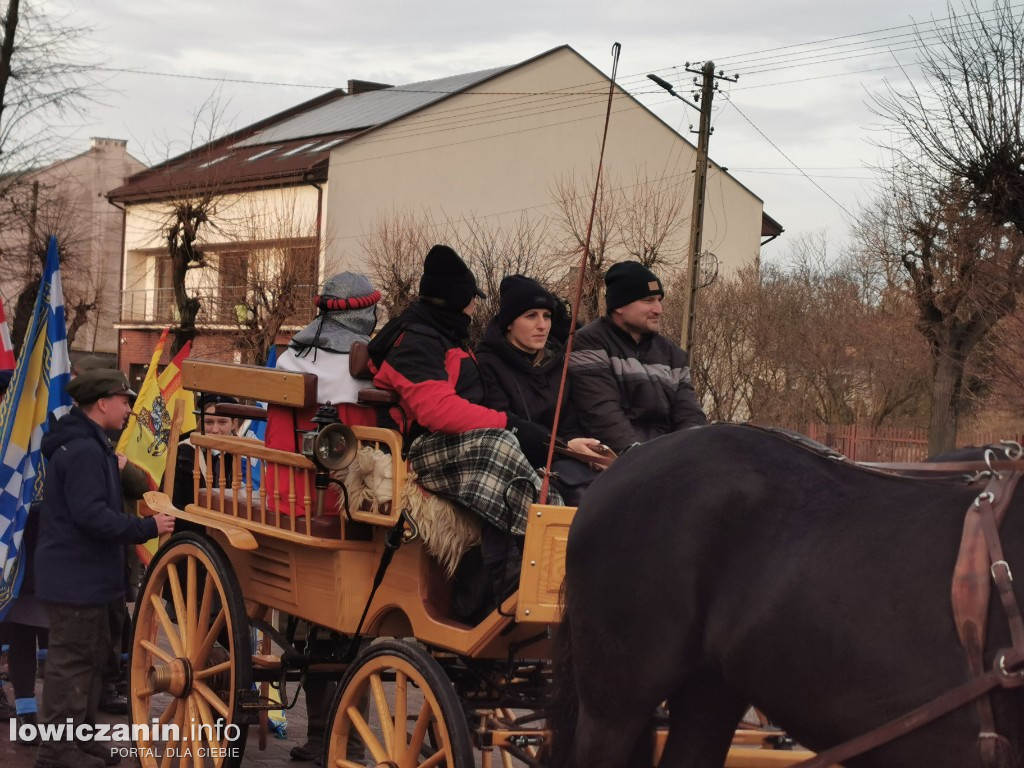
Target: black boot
point(29, 718)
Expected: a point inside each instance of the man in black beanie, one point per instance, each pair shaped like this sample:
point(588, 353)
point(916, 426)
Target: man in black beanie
point(630, 383)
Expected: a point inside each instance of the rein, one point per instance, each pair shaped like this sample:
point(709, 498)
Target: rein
point(545, 484)
point(981, 556)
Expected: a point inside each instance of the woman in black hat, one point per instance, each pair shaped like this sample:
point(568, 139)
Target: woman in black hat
point(459, 448)
point(521, 362)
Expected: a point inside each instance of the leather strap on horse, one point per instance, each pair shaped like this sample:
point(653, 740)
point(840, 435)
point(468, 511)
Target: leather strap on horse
point(1001, 674)
point(970, 606)
point(970, 597)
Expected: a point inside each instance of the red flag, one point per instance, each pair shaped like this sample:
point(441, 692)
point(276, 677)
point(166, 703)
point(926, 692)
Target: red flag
point(7, 360)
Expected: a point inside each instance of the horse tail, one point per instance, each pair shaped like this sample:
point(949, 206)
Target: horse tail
point(563, 707)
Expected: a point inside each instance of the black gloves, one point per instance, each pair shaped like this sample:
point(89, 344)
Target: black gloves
point(533, 439)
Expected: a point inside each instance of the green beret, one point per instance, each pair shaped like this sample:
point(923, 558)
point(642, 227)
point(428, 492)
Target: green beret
point(97, 383)
point(90, 362)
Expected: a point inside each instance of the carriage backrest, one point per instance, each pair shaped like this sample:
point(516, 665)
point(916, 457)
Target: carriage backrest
point(250, 382)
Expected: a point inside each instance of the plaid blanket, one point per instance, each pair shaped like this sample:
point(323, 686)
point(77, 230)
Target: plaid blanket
point(484, 470)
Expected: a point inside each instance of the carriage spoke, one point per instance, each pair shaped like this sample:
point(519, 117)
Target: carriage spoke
point(369, 739)
point(178, 716)
point(204, 690)
point(203, 619)
point(435, 759)
point(157, 651)
point(420, 730)
point(506, 758)
point(401, 737)
point(216, 669)
point(206, 714)
point(347, 764)
point(203, 652)
point(171, 711)
point(165, 622)
point(179, 603)
point(383, 713)
point(190, 605)
point(197, 744)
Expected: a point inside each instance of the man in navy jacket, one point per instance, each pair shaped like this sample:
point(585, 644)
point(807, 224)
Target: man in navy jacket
point(79, 561)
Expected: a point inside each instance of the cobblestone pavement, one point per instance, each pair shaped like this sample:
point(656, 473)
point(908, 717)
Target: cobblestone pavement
point(276, 753)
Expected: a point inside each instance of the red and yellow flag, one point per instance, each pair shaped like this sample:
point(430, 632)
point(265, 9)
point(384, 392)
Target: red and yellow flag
point(145, 439)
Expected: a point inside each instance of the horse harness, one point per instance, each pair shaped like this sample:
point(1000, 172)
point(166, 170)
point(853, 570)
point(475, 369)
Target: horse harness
point(980, 558)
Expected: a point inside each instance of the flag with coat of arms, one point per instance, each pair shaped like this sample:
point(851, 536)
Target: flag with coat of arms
point(145, 440)
point(36, 390)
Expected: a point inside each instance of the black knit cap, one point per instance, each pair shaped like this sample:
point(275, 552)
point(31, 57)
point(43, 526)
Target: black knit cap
point(447, 280)
point(520, 294)
point(210, 398)
point(629, 281)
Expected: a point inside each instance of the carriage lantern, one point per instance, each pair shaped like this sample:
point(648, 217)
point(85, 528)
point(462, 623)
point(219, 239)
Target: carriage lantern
point(331, 446)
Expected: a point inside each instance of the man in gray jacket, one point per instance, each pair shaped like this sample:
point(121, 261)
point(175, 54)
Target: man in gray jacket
point(630, 383)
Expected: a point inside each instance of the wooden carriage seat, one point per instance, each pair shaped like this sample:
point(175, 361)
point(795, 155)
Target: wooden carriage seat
point(359, 368)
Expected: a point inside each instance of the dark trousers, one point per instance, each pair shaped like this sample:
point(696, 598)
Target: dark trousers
point(79, 647)
point(118, 617)
point(21, 657)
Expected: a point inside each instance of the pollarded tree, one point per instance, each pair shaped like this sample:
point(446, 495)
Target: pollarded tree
point(954, 214)
point(966, 121)
point(966, 271)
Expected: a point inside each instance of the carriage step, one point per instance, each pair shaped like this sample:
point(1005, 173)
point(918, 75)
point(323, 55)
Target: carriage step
point(266, 661)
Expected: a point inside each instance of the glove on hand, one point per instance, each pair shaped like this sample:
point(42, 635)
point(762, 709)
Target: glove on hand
point(533, 439)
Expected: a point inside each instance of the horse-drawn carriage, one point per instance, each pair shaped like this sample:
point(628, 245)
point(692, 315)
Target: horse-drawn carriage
point(417, 686)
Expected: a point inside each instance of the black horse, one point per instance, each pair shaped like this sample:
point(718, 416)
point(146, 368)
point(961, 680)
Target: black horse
point(724, 566)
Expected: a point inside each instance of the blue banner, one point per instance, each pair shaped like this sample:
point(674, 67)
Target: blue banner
point(35, 392)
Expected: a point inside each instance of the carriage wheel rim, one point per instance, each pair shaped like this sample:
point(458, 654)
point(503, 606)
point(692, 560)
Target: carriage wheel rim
point(395, 751)
point(182, 660)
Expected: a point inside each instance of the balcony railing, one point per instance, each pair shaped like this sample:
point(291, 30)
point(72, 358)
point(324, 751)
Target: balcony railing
point(217, 306)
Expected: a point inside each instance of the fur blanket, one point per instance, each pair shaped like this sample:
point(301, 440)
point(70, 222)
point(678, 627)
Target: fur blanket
point(447, 530)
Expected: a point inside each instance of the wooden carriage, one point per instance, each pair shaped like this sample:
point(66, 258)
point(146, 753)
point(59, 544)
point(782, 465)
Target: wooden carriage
point(424, 689)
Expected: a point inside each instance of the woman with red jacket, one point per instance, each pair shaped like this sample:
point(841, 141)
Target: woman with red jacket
point(478, 457)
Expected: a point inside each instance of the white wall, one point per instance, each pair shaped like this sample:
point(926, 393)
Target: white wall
point(496, 156)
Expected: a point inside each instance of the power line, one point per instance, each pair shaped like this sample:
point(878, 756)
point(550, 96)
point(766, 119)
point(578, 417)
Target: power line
point(789, 159)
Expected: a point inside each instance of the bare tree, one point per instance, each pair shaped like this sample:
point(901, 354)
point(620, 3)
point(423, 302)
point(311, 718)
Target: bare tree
point(965, 270)
point(652, 220)
point(269, 278)
point(46, 76)
point(490, 248)
point(573, 200)
point(395, 256)
point(965, 122)
point(34, 212)
point(191, 218)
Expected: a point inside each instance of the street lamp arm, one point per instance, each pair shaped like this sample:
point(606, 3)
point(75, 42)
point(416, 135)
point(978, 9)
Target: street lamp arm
point(668, 87)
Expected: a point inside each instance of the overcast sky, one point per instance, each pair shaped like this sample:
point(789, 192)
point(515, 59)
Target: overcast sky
point(811, 101)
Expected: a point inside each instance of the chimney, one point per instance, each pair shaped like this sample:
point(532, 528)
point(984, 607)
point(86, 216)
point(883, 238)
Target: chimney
point(101, 144)
point(364, 86)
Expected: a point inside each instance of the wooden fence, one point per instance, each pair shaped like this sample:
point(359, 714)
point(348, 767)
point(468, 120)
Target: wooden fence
point(860, 443)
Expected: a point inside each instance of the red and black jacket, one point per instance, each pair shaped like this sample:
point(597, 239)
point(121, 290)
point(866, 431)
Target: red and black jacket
point(422, 355)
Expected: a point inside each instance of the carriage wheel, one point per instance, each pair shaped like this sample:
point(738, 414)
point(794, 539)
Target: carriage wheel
point(396, 697)
point(190, 658)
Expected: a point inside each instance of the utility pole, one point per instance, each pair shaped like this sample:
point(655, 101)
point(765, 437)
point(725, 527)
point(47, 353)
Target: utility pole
point(700, 181)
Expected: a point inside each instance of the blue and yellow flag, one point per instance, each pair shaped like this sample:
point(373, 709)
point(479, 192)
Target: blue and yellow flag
point(36, 390)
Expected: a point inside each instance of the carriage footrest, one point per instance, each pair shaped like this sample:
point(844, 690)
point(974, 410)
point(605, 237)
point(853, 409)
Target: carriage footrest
point(266, 661)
